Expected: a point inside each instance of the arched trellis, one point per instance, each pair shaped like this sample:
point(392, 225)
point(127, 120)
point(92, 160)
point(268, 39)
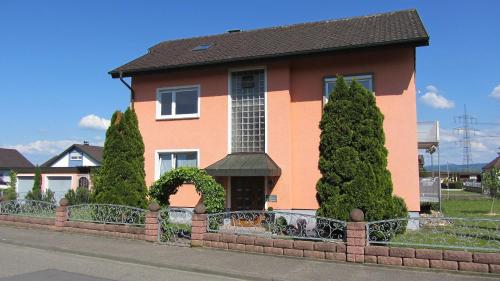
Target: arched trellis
point(212, 192)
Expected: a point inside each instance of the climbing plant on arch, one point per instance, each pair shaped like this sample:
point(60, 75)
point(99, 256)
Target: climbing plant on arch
point(212, 192)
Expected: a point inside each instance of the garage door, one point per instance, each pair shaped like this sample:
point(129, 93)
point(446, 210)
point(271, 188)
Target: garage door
point(24, 185)
point(59, 185)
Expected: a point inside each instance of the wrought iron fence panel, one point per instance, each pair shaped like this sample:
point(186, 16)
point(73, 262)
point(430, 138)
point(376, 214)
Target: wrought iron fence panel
point(436, 232)
point(174, 226)
point(29, 208)
point(275, 224)
point(108, 214)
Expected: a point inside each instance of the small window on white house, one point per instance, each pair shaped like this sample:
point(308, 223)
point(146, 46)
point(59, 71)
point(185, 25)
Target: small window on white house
point(172, 160)
point(365, 80)
point(75, 156)
point(175, 103)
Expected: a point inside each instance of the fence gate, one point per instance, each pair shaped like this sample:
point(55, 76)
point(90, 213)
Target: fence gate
point(174, 227)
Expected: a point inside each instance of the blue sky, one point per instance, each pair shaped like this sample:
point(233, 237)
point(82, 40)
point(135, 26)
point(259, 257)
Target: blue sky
point(55, 55)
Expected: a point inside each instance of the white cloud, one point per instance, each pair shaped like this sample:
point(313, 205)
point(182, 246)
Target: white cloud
point(478, 146)
point(44, 147)
point(447, 135)
point(94, 122)
point(496, 93)
point(433, 99)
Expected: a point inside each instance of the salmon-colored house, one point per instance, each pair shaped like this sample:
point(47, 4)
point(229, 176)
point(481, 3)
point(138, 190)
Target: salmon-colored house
point(246, 105)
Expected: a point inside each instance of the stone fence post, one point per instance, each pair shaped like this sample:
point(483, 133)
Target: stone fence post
point(198, 224)
point(152, 226)
point(61, 214)
point(356, 237)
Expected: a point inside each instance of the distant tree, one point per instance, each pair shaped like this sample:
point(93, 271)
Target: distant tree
point(353, 158)
point(36, 191)
point(10, 193)
point(120, 180)
point(490, 180)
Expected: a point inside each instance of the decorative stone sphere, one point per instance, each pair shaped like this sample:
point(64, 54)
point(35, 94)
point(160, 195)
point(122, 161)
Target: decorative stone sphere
point(154, 207)
point(356, 215)
point(64, 202)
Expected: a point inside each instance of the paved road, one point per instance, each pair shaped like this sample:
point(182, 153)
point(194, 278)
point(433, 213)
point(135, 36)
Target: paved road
point(45, 253)
point(20, 263)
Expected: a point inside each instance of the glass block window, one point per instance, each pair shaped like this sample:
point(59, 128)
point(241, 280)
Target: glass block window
point(248, 113)
point(365, 80)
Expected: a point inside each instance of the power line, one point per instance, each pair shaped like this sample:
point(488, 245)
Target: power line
point(466, 131)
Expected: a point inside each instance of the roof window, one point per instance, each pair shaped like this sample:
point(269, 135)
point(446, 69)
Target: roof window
point(202, 47)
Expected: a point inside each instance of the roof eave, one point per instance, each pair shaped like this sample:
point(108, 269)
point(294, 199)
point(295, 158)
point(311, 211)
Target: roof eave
point(418, 42)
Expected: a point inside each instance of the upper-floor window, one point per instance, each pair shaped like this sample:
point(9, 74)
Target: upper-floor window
point(75, 156)
point(178, 102)
point(175, 159)
point(365, 80)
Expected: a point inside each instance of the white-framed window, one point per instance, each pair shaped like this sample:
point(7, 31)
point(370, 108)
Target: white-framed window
point(75, 156)
point(167, 160)
point(365, 80)
point(178, 102)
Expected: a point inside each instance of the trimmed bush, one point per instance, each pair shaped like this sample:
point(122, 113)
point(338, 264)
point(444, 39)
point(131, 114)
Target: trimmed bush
point(353, 158)
point(212, 192)
point(454, 185)
point(80, 196)
point(427, 207)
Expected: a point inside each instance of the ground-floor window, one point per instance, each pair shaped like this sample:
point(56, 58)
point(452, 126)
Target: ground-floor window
point(168, 160)
point(83, 182)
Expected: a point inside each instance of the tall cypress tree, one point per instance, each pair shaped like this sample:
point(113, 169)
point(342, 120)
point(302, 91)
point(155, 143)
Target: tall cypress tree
point(353, 158)
point(136, 151)
point(36, 190)
point(121, 179)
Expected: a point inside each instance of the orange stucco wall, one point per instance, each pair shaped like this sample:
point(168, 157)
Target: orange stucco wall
point(294, 104)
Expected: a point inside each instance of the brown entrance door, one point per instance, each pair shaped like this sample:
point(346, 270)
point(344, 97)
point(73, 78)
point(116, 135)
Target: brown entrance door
point(247, 193)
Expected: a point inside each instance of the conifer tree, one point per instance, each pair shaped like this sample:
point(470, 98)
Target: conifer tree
point(121, 178)
point(353, 158)
point(36, 191)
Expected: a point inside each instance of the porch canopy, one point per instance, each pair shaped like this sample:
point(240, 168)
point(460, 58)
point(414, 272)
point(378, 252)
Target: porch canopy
point(244, 164)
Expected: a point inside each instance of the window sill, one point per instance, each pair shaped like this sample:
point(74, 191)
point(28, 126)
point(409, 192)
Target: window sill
point(178, 117)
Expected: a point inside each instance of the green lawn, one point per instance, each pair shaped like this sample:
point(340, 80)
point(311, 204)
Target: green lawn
point(478, 208)
point(457, 233)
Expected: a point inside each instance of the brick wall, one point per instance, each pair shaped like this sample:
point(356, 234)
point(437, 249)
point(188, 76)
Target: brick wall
point(432, 258)
point(285, 247)
point(61, 223)
point(44, 223)
point(355, 249)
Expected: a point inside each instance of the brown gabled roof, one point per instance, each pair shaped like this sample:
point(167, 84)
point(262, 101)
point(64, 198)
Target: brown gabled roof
point(401, 27)
point(94, 152)
point(11, 158)
point(493, 164)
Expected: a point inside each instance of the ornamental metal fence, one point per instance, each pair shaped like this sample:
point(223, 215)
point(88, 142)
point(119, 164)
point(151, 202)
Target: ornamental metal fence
point(275, 224)
point(174, 226)
point(28, 208)
point(436, 232)
point(107, 214)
